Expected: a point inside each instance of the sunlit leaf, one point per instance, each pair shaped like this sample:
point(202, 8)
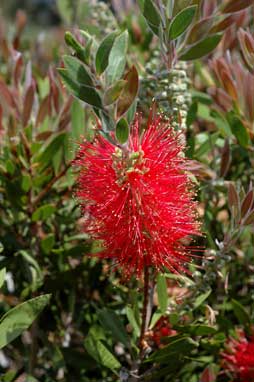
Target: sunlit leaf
point(162, 293)
point(117, 58)
point(16, 320)
point(100, 353)
point(2, 276)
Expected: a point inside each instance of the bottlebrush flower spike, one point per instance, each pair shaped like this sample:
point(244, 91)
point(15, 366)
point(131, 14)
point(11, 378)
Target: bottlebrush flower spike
point(238, 358)
point(137, 198)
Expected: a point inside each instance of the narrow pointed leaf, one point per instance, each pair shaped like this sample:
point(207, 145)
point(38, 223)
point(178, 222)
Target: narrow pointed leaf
point(238, 129)
point(132, 320)
point(247, 203)
point(77, 119)
point(177, 347)
point(117, 58)
point(85, 93)
point(102, 54)
point(162, 293)
point(2, 276)
point(202, 48)
point(233, 199)
point(240, 313)
point(129, 92)
point(100, 353)
point(235, 5)
point(152, 15)
point(77, 71)
point(201, 298)
point(76, 46)
point(181, 22)
point(111, 322)
point(122, 130)
point(18, 319)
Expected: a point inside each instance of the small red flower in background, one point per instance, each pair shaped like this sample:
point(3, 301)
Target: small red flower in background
point(162, 329)
point(238, 358)
point(137, 199)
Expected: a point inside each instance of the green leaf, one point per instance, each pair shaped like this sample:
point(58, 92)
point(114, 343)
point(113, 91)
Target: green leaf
point(103, 52)
point(201, 298)
point(155, 318)
point(192, 114)
point(179, 5)
point(207, 144)
point(174, 318)
point(18, 319)
point(222, 123)
point(201, 97)
point(132, 320)
point(48, 243)
point(80, 51)
point(113, 92)
point(87, 94)
point(51, 149)
point(43, 212)
point(202, 48)
point(110, 321)
point(65, 10)
point(178, 347)
point(100, 353)
point(152, 15)
point(240, 313)
point(77, 71)
point(130, 115)
point(129, 92)
point(107, 123)
point(26, 182)
point(196, 330)
point(30, 260)
point(117, 58)
point(77, 120)
point(122, 131)
point(181, 22)
point(162, 293)
point(10, 166)
point(2, 276)
point(9, 376)
point(238, 129)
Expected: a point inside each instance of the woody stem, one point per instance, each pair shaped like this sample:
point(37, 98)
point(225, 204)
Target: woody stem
point(145, 313)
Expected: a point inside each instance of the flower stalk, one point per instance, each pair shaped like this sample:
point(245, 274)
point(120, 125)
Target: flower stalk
point(145, 313)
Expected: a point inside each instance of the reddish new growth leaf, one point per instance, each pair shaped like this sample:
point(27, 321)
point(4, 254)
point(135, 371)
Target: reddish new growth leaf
point(238, 358)
point(138, 200)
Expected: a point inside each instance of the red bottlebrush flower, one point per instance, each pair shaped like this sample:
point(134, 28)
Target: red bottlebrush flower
point(138, 199)
point(238, 358)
